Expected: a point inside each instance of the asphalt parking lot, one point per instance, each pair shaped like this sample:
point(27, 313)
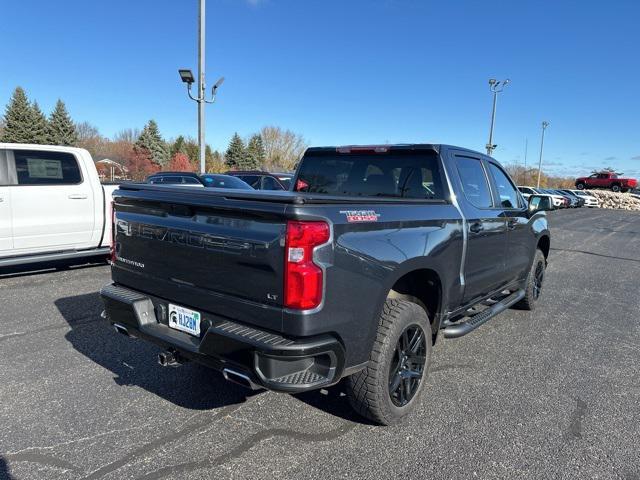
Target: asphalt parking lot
point(553, 393)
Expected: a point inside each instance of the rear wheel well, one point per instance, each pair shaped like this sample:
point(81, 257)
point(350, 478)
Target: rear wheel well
point(544, 244)
point(422, 287)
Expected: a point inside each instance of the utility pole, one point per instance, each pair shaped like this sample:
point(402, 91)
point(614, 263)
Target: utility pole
point(496, 86)
point(187, 77)
point(526, 145)
point(545, 124)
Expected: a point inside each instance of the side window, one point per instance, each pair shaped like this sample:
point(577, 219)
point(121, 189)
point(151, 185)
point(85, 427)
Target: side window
point(506, 191)
point(46, 168)
point(253, 180)
point(191, 181)
point(474, 182)
point(269, 183)
point(171, 180)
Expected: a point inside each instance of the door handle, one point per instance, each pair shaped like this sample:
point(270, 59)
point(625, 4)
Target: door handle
point(476, 227)
point(78, 196)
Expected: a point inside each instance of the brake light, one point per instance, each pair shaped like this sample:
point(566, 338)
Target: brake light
point(112, 247)
point(363, 149)
point(303, 278)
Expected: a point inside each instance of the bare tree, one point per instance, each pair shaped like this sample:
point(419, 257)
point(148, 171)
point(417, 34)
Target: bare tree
point(283, 148)
point(129, 135)
point(86, 131)
point(89, 137)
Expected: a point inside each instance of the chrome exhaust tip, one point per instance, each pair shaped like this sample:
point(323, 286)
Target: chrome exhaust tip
point(121, 329)
point(239, 379)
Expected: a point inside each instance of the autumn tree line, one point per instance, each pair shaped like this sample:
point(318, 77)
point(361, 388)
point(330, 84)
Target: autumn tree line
point(145, 151)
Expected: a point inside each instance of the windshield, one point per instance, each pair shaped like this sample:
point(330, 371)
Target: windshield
point(396, 174)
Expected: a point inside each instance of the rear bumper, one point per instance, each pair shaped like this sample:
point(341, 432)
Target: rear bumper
point(266, 359)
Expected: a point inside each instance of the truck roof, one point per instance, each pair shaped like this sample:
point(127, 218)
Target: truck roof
point(382, 148)
point(46, 148)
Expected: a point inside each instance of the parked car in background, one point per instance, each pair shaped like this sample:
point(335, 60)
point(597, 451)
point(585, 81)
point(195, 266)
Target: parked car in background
point(558, 200)
point(261, 180)
point(352, 275)
point(52, 205)
point(574, 202)
point(590, 200)
point(581, 200)
point(187, 179)
point(217, 180)
point(609, 180)
point(528, 191)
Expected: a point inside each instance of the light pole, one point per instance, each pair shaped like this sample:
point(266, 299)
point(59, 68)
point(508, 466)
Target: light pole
point(545, 124)
point(526, 147)
point(496, 86)
point(187, 77)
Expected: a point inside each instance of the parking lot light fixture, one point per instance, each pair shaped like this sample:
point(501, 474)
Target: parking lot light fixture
point(186, 76)
point(496, 86)
point(545, 124)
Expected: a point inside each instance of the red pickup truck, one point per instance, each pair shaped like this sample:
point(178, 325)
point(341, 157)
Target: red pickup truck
point(609, 180)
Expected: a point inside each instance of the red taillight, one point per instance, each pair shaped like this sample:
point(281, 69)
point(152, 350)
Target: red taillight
point(303, 278)
point(112, 247)
point(301, 185)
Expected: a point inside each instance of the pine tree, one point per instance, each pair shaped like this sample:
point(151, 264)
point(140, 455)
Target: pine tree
point(151, 141)
point(40, 125)
point(235, 157)
point(18, 119)
point(178, 146)
point(61, 130)
point(256, 154)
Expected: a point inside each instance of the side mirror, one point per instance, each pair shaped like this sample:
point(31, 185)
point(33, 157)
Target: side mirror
point(540, 203)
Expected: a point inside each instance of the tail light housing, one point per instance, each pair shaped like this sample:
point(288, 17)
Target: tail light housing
point(303, 279)
point(112, 247)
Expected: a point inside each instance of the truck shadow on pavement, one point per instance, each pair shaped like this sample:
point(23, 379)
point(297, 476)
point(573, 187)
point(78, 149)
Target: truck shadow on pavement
point(133, 362)
point(4, 470)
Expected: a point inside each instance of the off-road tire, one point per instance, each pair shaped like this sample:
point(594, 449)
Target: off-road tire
point(368, 389)
point(530, 297)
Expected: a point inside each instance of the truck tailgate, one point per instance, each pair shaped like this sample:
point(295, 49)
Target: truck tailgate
point(221, 255)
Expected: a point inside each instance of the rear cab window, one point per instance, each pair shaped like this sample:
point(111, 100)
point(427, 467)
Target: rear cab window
point(35, 167)
point(394, 174)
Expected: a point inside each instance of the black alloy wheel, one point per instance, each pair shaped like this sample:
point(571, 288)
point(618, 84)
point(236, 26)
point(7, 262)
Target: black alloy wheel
point(538, 278)
point(407, 368)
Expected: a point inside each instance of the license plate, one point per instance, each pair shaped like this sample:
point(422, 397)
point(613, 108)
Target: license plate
point(184, 319)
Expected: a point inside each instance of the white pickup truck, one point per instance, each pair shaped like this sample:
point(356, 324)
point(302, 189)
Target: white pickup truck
point(52, 205)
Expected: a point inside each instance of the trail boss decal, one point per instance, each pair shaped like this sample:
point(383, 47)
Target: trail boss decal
point(354, 216)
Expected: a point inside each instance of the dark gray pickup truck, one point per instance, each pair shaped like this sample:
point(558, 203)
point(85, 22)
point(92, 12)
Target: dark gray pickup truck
point(353, 273)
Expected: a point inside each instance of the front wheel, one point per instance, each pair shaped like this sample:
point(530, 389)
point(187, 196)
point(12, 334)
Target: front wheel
point(615, 188)
point(580, 186)
point(389, 388)
point(535, 279)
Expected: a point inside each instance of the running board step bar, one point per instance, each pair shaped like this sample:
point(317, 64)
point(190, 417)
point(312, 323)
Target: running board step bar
point(459, 329)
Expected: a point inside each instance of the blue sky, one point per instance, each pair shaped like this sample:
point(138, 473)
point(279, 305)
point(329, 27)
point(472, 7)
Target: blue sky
point(343, 72)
